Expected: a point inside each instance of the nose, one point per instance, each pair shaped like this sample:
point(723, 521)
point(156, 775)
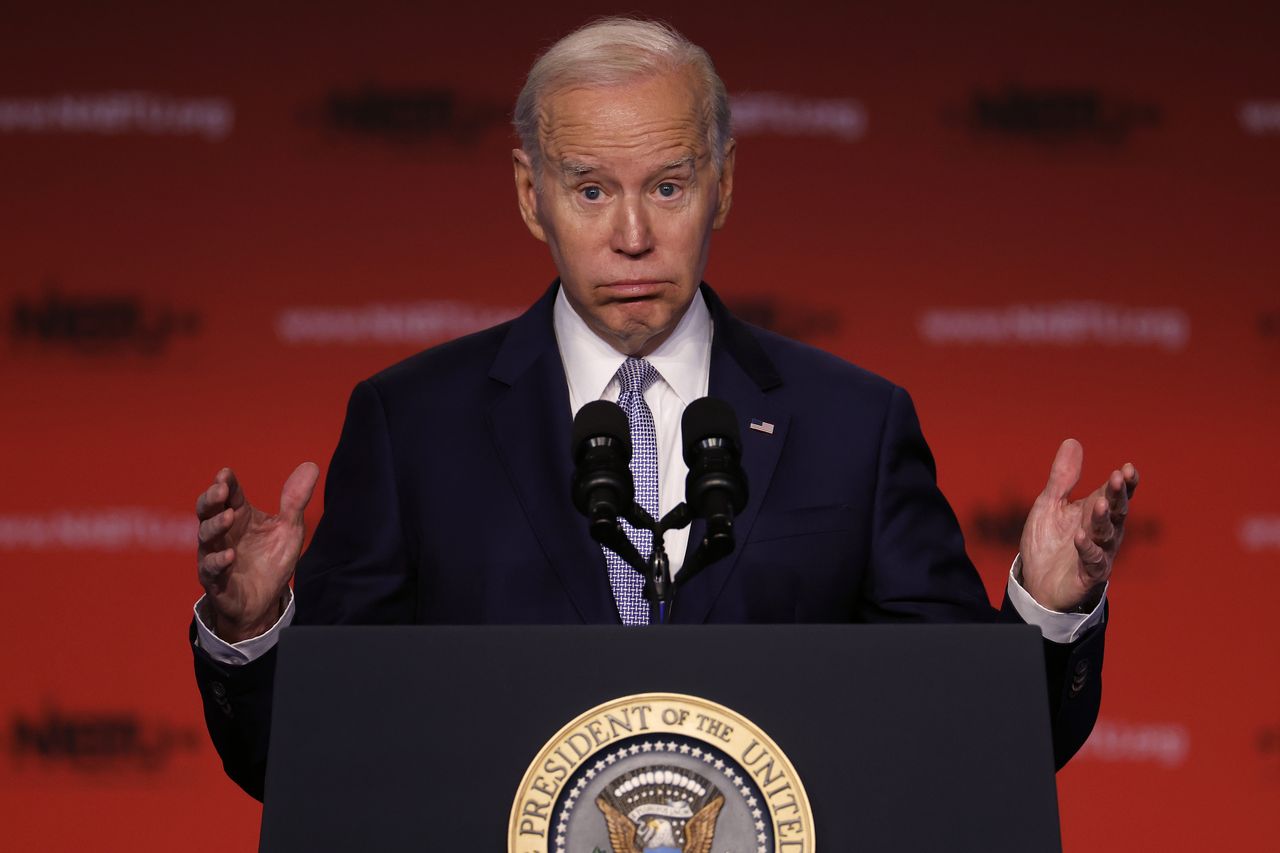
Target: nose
point(632, 234)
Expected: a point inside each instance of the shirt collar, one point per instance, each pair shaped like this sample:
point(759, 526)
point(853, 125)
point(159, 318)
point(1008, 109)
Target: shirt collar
point(683, 359)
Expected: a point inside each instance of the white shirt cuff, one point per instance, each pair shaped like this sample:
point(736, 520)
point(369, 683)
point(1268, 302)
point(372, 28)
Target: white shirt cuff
point(1054, 626)
point(245, 651)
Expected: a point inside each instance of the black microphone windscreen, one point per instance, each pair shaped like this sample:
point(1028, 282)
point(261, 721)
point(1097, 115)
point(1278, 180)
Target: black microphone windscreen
point(601, 418)
point(706, 418)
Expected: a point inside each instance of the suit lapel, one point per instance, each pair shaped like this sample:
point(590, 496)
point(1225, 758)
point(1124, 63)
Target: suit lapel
point(742, 375)
point(531, 426)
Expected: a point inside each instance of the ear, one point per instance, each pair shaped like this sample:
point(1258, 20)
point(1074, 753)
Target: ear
point(527, 193)
point(725, 185)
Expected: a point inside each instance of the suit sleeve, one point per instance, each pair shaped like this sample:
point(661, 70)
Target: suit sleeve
point(357, 570)
point(920, 572)
point(1073, 677)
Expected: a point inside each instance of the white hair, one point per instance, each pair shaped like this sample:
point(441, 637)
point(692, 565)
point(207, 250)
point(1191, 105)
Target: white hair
point(615, 50)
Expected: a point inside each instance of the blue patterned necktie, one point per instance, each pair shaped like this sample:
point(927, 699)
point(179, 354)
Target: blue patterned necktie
point(635, 376)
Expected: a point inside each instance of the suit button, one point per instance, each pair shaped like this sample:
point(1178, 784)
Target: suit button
point(219, 689)
point(1079, 679)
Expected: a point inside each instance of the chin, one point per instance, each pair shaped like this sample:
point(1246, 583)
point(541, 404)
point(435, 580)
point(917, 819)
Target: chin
point(632, 338)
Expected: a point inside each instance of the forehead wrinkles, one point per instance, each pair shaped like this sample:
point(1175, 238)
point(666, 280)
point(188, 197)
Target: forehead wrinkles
point(586, 123)
point(651, 144)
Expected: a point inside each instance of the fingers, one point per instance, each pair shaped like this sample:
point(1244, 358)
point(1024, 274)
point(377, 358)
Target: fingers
point(216, 508)
point(1097, 540)
point(223, 492)
point(235, 495)
point(1093, 558)
point(1116, 496)
point(213, 565)
point(1101, 532)
point(1119, 488)
point(1130, 475)
point(1065, 472)
point(298, 489)
point(212, 501)
point(1102, 526)
point(212, 530)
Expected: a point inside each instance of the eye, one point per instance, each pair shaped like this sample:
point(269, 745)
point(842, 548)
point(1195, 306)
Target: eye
point(667, 189)
point(591, 193)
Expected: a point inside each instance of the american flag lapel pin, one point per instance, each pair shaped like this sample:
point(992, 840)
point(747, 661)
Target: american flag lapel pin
point(761, 426)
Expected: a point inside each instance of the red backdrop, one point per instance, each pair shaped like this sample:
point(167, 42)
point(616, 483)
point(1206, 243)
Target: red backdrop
point(1042, 223)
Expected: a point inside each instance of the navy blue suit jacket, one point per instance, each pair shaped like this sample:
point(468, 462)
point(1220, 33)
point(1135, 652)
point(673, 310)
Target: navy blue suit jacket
point(447, 501)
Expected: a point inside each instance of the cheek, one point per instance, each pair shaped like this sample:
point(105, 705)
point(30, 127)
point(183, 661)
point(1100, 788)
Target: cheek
point(564, 245)
point(689, 225)
point(577, 237)
point(685, 240)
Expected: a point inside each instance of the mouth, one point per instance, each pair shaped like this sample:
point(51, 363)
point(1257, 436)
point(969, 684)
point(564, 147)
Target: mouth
point(628, 289)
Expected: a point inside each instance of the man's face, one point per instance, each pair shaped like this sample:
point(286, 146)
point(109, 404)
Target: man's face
point(627, 201)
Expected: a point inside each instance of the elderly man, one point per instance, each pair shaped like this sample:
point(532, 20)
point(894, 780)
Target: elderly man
point(447, 498)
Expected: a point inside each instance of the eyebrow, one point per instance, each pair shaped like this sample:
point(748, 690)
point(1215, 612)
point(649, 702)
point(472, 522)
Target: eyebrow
point(688, 161)
point(576, 169)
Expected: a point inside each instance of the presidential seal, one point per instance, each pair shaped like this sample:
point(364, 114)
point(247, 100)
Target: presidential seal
point(660, 773)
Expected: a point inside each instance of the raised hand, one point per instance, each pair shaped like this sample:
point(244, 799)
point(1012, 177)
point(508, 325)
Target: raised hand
point(245, 556)
point(1069, 547)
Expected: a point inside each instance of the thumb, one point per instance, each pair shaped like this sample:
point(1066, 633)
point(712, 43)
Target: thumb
point(1065, 473)
point(297, 490)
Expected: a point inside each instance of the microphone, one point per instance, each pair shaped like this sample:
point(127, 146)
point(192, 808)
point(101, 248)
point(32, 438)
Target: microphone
point(716, 487)
point(602, 484)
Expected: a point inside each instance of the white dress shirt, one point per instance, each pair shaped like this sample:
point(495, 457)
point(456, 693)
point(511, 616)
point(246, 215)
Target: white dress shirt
point(683, 363)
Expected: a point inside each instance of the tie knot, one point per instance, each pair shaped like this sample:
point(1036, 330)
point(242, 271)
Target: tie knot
point(636, 375)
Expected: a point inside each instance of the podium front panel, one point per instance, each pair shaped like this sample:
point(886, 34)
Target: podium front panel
point(906, 738)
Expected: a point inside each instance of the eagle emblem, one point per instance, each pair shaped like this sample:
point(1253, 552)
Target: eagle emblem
point(660, 809)
point(660, 773)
